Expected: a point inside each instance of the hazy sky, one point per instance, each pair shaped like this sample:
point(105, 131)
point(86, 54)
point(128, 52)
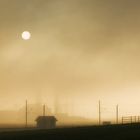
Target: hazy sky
point(82, 50)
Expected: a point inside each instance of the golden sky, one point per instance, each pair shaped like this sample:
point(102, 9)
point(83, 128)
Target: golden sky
point(81, 50)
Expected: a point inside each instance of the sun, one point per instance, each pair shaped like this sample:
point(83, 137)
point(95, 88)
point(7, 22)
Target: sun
point(26, 35)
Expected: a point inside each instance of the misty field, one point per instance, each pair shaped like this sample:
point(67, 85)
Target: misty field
point(114, 132)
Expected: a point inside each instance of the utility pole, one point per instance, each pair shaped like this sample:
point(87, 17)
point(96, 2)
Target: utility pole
point(26, 114)
point(56, 104)
point(44, 110)
point(117, 114)
point(99, 112)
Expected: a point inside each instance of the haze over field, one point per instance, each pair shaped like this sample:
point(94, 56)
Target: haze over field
point(80, 51)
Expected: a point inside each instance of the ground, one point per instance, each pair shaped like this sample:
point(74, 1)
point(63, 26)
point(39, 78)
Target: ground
point(112, 132)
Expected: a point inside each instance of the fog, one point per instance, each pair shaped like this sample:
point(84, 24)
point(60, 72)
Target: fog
point(81, 51)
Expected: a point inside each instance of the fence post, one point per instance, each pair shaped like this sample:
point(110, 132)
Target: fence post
point(131, 119)
point(135, 119)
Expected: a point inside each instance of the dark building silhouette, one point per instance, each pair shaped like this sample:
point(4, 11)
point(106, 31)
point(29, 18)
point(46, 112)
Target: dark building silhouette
point(106, 123)
point(46, 122)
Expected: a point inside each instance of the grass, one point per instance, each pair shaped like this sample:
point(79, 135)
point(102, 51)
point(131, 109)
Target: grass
point(112, 132)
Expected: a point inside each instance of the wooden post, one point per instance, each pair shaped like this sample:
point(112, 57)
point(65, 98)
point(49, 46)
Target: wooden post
point(26, 114)
point(99, 112)
point(131, 119)
point(44, 111)
point(117, 114)
point(135, 119)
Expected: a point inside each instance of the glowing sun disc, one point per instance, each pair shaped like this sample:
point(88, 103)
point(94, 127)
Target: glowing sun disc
point(26, 35)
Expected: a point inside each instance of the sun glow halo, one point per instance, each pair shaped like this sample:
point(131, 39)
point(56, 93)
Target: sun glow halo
point(26, 35)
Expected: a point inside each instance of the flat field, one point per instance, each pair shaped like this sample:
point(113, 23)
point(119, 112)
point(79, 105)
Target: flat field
point(112, 132)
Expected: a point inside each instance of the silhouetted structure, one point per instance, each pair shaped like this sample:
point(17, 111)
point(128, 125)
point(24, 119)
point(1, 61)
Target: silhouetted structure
point(106, 123)
point(117, 114)
point(99, 112)
point(130, 119)
point(46, 122)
